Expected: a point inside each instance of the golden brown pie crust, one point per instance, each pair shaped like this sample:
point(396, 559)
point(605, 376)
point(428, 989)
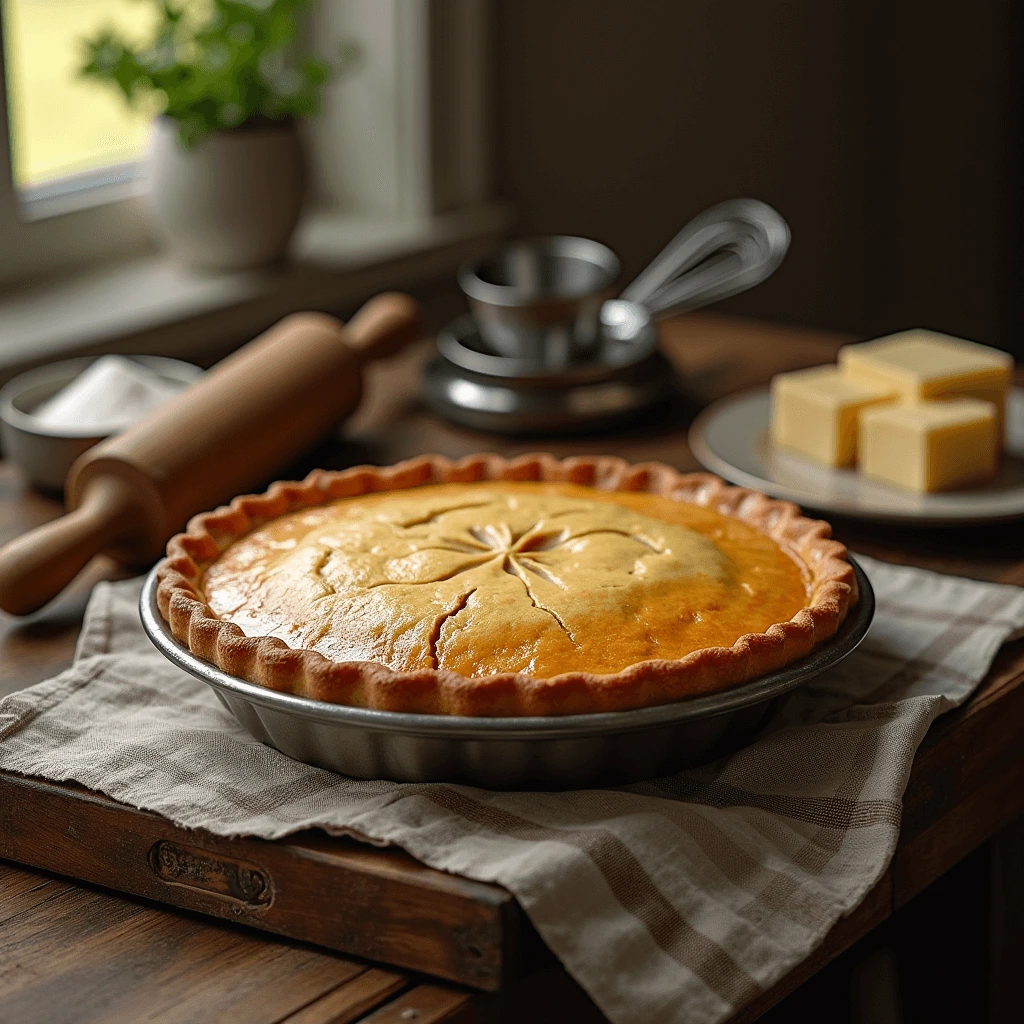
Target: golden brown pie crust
point(269, 662)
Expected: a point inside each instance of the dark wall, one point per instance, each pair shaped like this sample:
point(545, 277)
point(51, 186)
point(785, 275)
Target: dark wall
point(885, 131)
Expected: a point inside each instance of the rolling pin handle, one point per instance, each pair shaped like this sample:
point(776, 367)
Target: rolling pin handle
point(37, 566)
point(384, 325)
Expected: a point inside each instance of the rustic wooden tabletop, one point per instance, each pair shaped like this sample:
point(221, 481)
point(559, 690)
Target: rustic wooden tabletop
point(73, 952)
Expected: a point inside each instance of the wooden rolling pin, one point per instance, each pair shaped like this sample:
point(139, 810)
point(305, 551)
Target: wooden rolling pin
point(243, 422)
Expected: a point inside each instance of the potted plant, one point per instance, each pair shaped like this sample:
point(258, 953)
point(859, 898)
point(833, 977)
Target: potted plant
point(226, 166)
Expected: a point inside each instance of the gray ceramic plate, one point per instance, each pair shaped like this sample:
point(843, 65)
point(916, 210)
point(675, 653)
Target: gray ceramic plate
point(730, 438)
point(563, 752)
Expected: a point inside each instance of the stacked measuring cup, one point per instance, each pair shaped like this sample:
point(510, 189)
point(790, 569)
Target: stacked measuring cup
point(546, 347)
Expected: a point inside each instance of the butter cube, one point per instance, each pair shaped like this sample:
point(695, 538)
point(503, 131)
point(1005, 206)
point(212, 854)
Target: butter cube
point(929, 446)
point(815, 412)
point(923, 365)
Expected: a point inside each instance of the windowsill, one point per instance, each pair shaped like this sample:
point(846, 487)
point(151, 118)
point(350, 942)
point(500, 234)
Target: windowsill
point(152, 305)
point(81, 192)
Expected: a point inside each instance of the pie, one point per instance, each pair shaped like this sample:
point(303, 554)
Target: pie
point(492, 587)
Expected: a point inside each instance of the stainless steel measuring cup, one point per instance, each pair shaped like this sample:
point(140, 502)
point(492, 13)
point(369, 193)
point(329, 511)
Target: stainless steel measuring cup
point(546, 302)
point(541, 299)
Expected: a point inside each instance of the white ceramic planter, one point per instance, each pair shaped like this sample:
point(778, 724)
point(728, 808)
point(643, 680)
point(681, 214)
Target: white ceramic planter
point(231, 202)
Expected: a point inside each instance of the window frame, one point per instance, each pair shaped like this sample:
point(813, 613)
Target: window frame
point(426, 58)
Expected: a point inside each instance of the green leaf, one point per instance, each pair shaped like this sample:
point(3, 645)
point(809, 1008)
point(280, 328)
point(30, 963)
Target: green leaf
point(214, 64)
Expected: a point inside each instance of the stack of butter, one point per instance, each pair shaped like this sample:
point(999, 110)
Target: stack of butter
point(918, 409)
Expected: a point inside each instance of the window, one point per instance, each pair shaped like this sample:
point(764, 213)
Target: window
point(403, 138)
point(62, 128)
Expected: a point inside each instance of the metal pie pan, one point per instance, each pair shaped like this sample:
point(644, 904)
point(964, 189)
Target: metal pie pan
point(555, 752)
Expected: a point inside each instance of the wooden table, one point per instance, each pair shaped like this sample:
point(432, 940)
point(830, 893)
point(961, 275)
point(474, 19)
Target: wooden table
point(70, 952)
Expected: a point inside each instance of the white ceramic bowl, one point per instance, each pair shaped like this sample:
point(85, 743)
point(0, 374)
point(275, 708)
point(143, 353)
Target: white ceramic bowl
point(46, 454)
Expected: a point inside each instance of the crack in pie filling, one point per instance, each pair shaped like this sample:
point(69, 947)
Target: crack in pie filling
point(470, 591)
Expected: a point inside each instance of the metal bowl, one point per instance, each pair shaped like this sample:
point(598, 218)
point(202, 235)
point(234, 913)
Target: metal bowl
point(623, 378)
point(617, 349)
point(556, 752)
point(45, 454)
point(516, 407)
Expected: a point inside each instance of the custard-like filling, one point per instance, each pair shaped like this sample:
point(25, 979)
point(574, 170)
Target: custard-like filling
point(506, 577)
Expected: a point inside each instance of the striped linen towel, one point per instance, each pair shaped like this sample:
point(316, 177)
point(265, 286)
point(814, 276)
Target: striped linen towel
point(673, 900)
